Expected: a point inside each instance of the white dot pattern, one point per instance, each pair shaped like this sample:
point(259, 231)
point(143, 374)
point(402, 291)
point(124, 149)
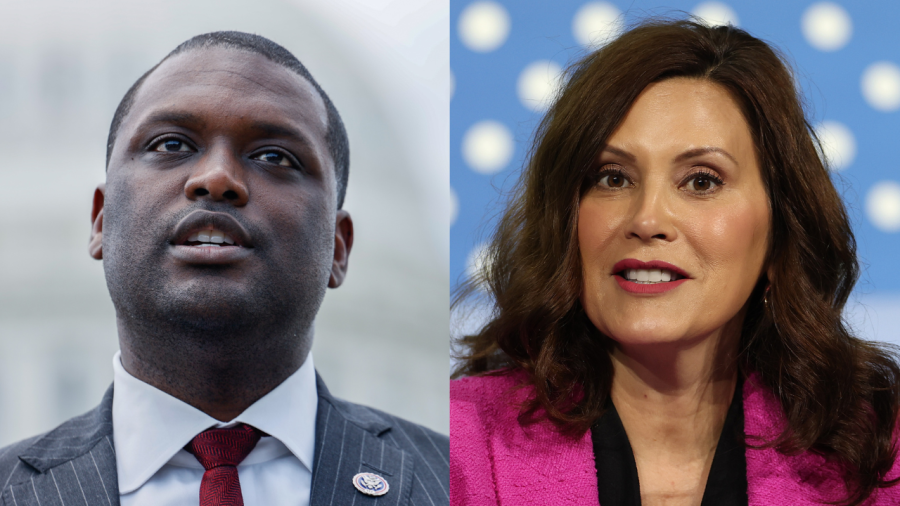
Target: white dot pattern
point(506, 69)
point(596, 23)
point(477, 261)
point(827, 26)
point(881, 86)
point(488, 147)
point(538, 84)
point(716, 13)
point(883, 206)
point(484, 26)
point(838, 144)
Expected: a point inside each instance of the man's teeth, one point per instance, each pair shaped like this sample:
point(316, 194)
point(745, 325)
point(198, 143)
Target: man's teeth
point(210, 238)
point(650, 275)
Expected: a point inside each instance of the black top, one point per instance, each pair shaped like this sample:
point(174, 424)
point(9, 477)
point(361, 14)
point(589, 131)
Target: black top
point(617, 476)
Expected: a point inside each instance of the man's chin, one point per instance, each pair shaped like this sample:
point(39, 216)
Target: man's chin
point(219, 310)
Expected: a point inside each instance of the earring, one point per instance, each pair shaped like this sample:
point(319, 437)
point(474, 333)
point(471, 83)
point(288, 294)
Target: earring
point(766, 296)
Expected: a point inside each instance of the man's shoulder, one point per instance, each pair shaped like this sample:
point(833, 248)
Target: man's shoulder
point(403, 433)
point(11, 464)
point(75, 459)
point(352, 438)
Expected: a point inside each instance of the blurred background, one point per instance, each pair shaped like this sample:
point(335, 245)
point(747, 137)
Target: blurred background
point(507, 55)
point(381, 338)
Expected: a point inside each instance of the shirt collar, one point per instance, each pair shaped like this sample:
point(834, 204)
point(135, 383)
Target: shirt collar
point(150, 426)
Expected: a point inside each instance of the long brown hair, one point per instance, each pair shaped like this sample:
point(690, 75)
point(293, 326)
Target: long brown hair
point(840, 394)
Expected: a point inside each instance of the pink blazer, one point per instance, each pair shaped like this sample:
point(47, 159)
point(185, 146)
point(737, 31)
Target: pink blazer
point(496, 461)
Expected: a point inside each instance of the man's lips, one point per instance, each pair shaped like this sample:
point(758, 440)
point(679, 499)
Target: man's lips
point(234, 243)
point(202, 221)
point(209, 255)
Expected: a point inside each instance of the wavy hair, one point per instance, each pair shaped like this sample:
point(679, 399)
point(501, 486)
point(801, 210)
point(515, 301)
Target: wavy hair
point(840, 394)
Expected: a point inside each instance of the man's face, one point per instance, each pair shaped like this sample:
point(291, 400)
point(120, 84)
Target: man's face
point(219, 210)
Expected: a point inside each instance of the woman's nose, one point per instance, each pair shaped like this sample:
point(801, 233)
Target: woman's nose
point(652, 217)
point(219, 176)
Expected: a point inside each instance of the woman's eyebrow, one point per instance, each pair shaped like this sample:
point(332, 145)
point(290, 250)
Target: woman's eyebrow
point(692, 153)
point(619, 152)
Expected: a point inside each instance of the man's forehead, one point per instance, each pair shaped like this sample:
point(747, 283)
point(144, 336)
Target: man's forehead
point(230, 73)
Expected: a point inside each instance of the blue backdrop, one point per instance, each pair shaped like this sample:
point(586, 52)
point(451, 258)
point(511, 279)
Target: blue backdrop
point(505, 55)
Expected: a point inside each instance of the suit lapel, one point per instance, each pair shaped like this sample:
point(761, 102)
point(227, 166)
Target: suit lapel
point(347, 443)
point(75, 464)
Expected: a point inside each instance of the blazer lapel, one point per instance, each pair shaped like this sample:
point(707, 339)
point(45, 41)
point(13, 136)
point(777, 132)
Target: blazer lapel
point(348, 441)
point(774, 478)
point(75, 464)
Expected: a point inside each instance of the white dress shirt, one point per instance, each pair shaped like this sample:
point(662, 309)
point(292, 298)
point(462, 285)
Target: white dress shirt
point(150, 429)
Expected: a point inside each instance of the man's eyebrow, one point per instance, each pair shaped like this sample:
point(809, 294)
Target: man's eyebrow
point(176, 117)
point(691, 153)
point(284, 131)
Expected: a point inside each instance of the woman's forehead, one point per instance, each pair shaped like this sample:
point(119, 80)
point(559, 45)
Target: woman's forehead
point(682, 114)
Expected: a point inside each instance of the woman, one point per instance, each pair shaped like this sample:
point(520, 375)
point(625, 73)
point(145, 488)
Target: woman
point(668, 282)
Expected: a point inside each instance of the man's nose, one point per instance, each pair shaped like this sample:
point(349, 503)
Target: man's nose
point(219, 176)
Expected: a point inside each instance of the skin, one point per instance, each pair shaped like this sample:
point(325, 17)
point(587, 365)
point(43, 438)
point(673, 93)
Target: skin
point(220, 335)
point(675, 352)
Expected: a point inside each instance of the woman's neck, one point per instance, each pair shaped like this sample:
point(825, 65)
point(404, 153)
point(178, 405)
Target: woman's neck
point(672, 399)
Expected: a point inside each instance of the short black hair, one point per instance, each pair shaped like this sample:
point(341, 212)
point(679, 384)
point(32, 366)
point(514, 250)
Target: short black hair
point(336, 136)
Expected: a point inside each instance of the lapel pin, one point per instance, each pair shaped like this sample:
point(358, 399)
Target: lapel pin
point(370, 484)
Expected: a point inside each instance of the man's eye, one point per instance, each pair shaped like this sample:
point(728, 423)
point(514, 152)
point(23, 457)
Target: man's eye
point(274, 157)
point(171, 145)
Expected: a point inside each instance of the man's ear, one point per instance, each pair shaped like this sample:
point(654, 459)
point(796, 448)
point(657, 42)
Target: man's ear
point(343, 242)
point(95, 244)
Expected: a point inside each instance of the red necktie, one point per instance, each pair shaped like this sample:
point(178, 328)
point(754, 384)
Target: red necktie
point(220, 451)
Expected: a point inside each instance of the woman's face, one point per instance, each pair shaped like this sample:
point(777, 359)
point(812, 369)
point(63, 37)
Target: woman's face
point(673, 235)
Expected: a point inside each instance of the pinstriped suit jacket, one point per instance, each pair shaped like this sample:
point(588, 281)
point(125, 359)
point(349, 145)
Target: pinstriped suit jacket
point(75, 463)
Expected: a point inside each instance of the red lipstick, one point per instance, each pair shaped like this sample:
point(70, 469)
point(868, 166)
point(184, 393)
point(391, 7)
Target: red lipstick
point(645, 288)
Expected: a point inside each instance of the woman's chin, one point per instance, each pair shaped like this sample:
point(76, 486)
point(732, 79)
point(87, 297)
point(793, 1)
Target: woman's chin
point(652, 333)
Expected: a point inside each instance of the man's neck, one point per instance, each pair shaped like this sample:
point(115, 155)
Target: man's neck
point(217, 376)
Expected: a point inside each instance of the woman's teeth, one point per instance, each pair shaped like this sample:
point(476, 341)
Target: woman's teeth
point(208, 238)
point(650, 275)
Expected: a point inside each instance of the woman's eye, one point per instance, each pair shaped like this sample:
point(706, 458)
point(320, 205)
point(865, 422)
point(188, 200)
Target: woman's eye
point(702, 183)
point(615, 181)
point(171, 145)
point(274, 157)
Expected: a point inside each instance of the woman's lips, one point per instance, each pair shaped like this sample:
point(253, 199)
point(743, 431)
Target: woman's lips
point(655, 276)
point(631, 263)
point(648, 288)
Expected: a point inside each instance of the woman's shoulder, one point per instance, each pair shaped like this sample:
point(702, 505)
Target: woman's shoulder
point(491, 398)
point(486, 386)
point(493, 453)
point(802, 478)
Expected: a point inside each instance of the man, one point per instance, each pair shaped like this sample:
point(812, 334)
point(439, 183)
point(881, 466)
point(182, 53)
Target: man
point(220, 226)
